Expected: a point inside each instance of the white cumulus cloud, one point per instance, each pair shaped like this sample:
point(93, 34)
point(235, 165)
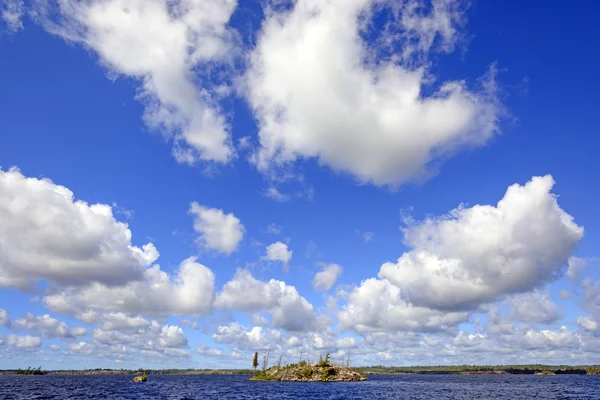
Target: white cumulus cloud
point(189, 291)
point(172, 336)
point(23, 342)
point(47, 327)
point(561, 339)
point(318, 90)
point(324, 280)
point(377, 306)
point(217, 230)
point(587, 323)
point(278, 251)
point(479, 254)
point(207, 351)
point(47, 234)
point(236, 334)
point(288, 309)
point(154, 340)
point(164, 45)
point(536, 307)
point(114, 321)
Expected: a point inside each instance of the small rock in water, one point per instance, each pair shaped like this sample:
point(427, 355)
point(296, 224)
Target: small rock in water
point(142, 378)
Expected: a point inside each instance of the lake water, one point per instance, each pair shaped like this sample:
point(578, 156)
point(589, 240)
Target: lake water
point(415, 387)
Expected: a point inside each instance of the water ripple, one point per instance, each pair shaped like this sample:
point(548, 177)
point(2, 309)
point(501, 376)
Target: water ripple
point(237, 387)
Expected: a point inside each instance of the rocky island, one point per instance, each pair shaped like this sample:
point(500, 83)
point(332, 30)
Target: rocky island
point(321, 371)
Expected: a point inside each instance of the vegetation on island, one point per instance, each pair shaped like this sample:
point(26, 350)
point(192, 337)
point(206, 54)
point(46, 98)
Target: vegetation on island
point(593, 370)
point(322, 371)
point(30, 371)
point(545, 372)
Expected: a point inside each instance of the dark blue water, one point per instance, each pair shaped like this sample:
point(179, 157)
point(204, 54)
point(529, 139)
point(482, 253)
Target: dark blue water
point(417, 387)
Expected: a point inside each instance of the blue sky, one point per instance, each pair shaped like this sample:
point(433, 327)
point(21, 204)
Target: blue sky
point(342, 145)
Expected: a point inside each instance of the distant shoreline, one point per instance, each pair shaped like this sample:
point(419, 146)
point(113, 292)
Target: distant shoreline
point(533, 369)
point(374, 370)
point(136, 372)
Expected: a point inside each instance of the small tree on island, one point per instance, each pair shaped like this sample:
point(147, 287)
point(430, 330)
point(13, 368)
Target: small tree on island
point(255, 361)
point(324, 362)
